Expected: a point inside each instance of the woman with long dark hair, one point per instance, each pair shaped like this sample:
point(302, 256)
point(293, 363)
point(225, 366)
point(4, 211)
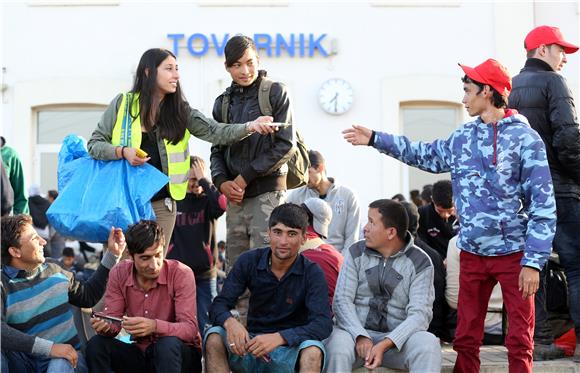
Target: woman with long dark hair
point(155, 118)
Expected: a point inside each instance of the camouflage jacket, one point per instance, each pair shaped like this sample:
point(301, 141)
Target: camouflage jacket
point(502, 187)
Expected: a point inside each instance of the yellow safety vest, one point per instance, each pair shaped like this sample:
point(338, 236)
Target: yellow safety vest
point(177, 155)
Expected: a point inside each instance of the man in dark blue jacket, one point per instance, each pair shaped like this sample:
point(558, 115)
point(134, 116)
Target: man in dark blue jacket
point(542, 95)
point(289, 314)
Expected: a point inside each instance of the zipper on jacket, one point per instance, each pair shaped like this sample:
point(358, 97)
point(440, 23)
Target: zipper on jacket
point(494, 161)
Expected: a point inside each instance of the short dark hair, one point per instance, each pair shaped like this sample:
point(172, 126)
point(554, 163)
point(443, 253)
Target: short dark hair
point(427, 193)
point(315, 158)
point(393, 215)
point(68, 251)
point(52, 193)
point(143, 235)
point(236, 47)
point(497, 99)
point(11, 228)
point(398, 197)
point(291, 215)
point(443, 194)
point(413, 215)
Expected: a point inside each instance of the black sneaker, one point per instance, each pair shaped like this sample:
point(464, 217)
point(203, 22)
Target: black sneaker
point(548, 352)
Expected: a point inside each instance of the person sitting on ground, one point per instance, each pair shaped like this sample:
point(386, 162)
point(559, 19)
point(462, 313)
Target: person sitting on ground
point(155, 299)
point(38, 331)
point(315, 248)
point(437, 222)
point(288, 311)
point(384, 299)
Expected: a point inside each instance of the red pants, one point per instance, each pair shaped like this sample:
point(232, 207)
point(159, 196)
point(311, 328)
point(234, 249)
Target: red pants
point(477, 277)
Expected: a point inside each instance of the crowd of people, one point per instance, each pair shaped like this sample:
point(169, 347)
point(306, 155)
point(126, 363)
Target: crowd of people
point(301, 284)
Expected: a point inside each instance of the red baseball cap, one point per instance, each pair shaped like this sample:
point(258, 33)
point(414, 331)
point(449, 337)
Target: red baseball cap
point(491, 73)
point(548, 35)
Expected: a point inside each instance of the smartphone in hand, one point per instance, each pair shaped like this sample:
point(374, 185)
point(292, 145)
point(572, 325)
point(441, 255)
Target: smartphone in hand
point(112, 319)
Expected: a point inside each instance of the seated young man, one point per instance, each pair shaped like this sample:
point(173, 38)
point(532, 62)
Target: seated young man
point(155, 298)
point(384, 298)
point(288, 314)
point(38, 330)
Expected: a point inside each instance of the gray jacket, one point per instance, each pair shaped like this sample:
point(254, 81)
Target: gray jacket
point(344, 227)
point(100, 146)
point(393, 295)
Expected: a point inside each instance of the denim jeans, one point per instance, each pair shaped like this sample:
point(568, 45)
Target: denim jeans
point(567, 245)
point(16, 362)
point(206, 290)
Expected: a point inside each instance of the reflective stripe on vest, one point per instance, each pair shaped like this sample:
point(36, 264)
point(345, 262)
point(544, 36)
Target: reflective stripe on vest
point(177, 155)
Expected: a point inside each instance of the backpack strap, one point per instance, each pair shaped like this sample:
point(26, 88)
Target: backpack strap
point(264, 96)
point(225, 107)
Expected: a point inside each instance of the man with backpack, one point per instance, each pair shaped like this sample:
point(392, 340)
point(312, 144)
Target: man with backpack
point(251, 173)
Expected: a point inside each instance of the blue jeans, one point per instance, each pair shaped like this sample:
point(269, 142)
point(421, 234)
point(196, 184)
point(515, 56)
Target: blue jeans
point(206, 290)
point(567, 245)
point(282, 360)
point(17, 362)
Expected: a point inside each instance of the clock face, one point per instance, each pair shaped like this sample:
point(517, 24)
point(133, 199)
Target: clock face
point(335, 96)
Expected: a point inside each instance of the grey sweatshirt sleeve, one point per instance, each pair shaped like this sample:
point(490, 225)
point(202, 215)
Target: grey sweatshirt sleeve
point(344, 296)
point(419, 310)
point(99, 145)
point(15, 340)
point(352, 226)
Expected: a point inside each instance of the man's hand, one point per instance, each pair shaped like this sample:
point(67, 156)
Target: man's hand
point(363, 346)
point(239, 180)
point(116, 241)
point(232, 191)
point(130, 154)
point(529, 281)
point(101, 326)
point(261, 125)
point(263, 344)
point(375, 357)
point(358, 135)
point(238, 336)
point(139, 326)
point(64, 351)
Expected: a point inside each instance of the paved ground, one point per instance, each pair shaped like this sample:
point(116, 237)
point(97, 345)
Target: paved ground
point(494, 360)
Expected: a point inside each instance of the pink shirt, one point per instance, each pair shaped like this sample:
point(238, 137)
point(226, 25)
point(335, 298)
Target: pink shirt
point(171, 301)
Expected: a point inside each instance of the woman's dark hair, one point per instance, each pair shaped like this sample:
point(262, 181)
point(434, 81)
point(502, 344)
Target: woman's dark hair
point(11, 228)
point(393, 215)
point(290, 215)
point(171, 119)
point(497, 100)
point(236, 47)
point(143, 235)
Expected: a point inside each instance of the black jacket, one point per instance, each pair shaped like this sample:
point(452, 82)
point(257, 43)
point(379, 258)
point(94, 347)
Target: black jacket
point(261, 160)
point(193, 240)
point(542, 95)
point(435, 231)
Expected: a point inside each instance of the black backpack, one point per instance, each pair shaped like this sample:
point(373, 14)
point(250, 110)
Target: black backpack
point(299, 163)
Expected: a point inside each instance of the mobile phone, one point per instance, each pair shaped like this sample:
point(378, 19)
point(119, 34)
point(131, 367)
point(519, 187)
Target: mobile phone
point(113, 319)
point(278, 124)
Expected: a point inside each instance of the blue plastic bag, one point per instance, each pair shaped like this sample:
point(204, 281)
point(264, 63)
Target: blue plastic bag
point(97, 195)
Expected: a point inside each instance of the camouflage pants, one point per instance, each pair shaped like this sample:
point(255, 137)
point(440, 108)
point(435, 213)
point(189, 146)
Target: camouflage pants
point(247, 228)
point(247, 223)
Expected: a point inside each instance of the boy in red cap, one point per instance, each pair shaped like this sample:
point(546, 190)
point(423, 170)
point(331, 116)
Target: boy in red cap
point(542, 95)
point(504, 198)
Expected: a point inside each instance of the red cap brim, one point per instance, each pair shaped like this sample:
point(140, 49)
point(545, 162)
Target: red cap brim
point(568, 48)
point(471, 73)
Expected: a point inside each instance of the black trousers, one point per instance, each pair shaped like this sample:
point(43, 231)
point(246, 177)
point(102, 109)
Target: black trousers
point(166, 355)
